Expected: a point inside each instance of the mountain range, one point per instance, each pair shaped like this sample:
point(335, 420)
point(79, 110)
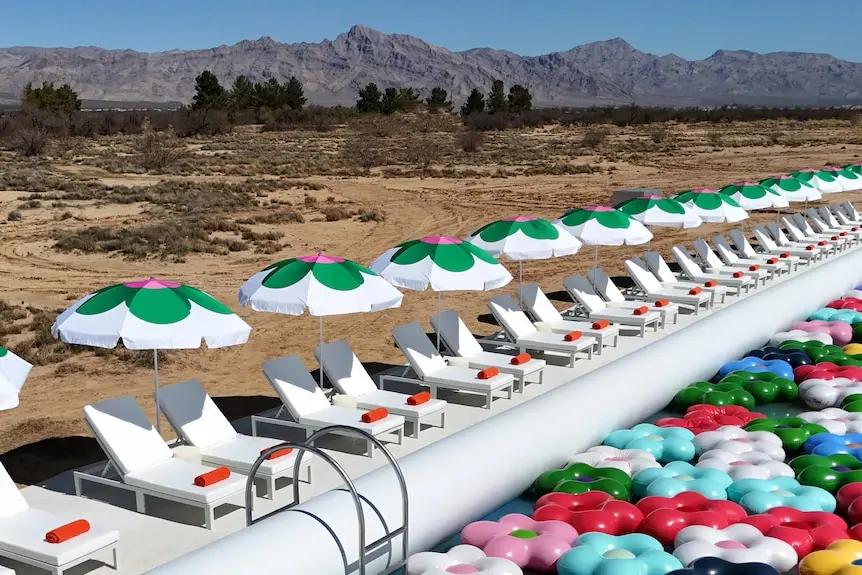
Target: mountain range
point(601, 73)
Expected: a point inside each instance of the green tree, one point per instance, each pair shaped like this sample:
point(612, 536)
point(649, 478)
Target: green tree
point(439, 100)
point(475, 103)
point(391, 101)
point(520, 99)
point(270, 94)
point(242, 94)
point(369, 99)
point(62, 100)
point(209, 93)
point(408, 99)
point(294, 94)
point(497, 98)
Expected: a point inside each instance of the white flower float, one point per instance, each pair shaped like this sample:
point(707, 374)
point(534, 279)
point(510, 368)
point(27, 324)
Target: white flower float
point(835, 420)
point(460, 559)
point(750, 465)
point(735, 440)
point(629, 461)
point(800, 335)
point(739, 543)
point(822, 393)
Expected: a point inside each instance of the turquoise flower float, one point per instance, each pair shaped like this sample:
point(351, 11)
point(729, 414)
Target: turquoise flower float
point(602, 554)
point(666, 444)
point(760, 495)
point(751, 364)
point(829, 314)
point(833, 444)
point(678, 477)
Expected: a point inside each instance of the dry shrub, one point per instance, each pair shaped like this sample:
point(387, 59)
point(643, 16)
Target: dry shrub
point(157, 152)
point(29, 141)
point(335, 213)
point(715, 138)
point(594, 138)
point(659, 134)
point(422, 152)
point(471, 141)
point(372, 216)
point(14, 216)
point(364, 152)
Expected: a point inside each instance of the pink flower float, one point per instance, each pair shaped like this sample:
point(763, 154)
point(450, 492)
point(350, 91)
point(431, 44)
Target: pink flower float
point(841, 332)
point(536, 545)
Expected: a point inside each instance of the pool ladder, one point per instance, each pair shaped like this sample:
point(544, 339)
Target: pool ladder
point(308, 445)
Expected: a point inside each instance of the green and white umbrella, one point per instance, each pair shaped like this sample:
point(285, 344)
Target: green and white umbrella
point(856, 168)
point(712, 207)
point(823, 180)
point(13, 374)
point(604, 226)
point(850, 180)
point(660, 212)
point(753, 196)
point(150, 314)
point(791, 188)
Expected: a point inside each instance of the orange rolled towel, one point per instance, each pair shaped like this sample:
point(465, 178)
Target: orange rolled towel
point(67, 531)
point(572, 336)
point(695, 291)
point(601, 324)
point(212, 477)
point(809, 247)
point(821, 244)
point(521, 359)
point(772, 261)
point(662, 303)
point(488, 373)
point(737, 275)
point(834, 238)
point(419, 398)
point(842, 234)
point(784, 255)
point(375, 415)
point(710, 283)
point(640, 310)
point(754, 268)
point(279, 453)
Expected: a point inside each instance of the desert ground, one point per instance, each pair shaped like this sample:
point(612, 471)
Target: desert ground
point(212, 211)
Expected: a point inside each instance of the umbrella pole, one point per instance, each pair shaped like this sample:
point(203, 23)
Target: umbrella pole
point(438, 322)
point(520, 284)
point(156, 383)
point(596, 262)
point(320, 346)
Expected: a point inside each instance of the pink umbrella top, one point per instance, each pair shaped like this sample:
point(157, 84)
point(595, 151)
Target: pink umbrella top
point(440, 240)
point(321, 259)
point(520, 219)
point(152, 283)
point(598, 208)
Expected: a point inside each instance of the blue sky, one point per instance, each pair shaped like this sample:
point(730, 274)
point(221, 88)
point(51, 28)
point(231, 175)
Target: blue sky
point(689, 28)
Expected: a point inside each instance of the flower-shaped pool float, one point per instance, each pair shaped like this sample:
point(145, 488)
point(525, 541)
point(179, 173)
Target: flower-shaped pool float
point(761, 495)
point(738, 543)
point(838, 329)
point(578, 478)
point(591, 511)
point(758, 365)
point(536, 545)
point(816, 351)
point(666, 444)
point(829, 472)
point(629, 461)
point(717, 394)
point(795, 357)
point(750, 465)
point(680, 476)
point(602, 554)
point(847, 302)
point(716, 566)
point(835, 420)
point(764, 386)
point(702, 417)
point(792, 431)
point(460, 559)
point(843, 557)
point(800, 335)
point(849, 500)
point(827, 371)
point(665, 516)
point(738, 441)
point(827, 314)
point(832, 444)
point(852, 349)
point(823, 393)
point(805, 531)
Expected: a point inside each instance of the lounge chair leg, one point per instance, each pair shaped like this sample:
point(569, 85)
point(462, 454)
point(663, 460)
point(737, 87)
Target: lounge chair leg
point(369, 448)
point(643, 330)
point(442, 419)
point(270, 488)
point(416, 427)
point(308, 473)
point(116, 561)
point(488, 400)
point(209, 513)
point(140, 502)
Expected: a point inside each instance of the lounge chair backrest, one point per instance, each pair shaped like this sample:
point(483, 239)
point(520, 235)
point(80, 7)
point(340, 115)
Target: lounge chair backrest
point(11, 500)
point(455, 334)
point(131, 441)
point(818, 220)
point(803, 224)
point(778, 234)
point(705, 253)
point(644, 278)
point(792, 229)
point(583, 293)
point(816, 223)
point(343, 369)
point(828, 217)
point(656, 264)
point(764, 239)
point(294, 385)
point(724, 250)
point(605, 286)
point(193, 413)
point(850, 210)
point(841, 218)
point(742, 244)
point(514, 321)
point(535, 300)
point(686, 262)
point(421, 353)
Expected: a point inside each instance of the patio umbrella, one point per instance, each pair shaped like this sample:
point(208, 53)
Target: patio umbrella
point(660, 212)
point(525, 238)
point(856, 168)
point(321, 284)
point(753, 196)
point(791, 188)
point(850, 180)
point(13, 374)
point(823, 180)
point(604, 226)
point(712, 207)
point(150, 314)
point(443, 264)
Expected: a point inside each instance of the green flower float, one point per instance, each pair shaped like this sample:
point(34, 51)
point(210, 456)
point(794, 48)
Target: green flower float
point(817, 351)
point(604, 226)
point(765, 387)
point(580, 478)
point(792, 431)
point(525, 238)
point(827, 472)
point(718, 394)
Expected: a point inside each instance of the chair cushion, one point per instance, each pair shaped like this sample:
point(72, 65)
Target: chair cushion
point(240, 453)
point(503, 362)
point(467, 379)
point(337, 415)
point(176, 478)
point(396, 403)
point(544, 341)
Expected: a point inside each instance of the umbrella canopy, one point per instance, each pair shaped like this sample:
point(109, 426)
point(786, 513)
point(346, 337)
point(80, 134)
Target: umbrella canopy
point(792, 189)
point(660, 211)
point(855, 168)
point(322, 284)
point(823, 180)
point(525, 238)
point(443, 264)
point(712, 207)
point(604, 226)
point(753, 196)
point(13, 374)
point(849, 179)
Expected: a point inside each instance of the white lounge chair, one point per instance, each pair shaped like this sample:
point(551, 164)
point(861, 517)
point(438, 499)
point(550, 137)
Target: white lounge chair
point(458, 340)
point(713, 264)
point(731, 257)
point(822, 220)
point(692, 271)
point(305, 406)
point(850, 211)
point(434, 372)
point(536, 304)
point(349, 377)
point(811, 226)
point(23, 531)
point(800, 232)
point(675, 291)
point(608, 290)
point(838, 219)
point(198, 422)
point(147, 466)
point(656, 265)
point(819, 245)
point(841, 216)
point(766, 241)
point(596, 308)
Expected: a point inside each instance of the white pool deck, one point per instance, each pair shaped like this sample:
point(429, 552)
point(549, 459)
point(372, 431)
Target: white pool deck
point(147, 541)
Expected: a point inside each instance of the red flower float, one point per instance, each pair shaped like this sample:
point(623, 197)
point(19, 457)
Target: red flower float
point(805, 531)
point(590, 511)
point(827, 371)
point(664, 517)
point(849, 499)
point(846, 303)
point(701, 417)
